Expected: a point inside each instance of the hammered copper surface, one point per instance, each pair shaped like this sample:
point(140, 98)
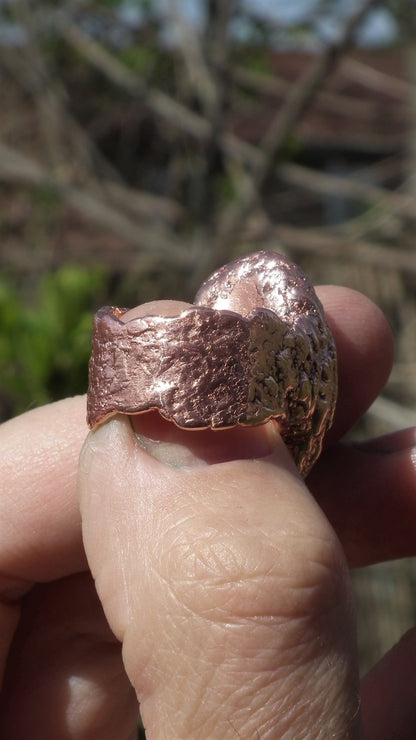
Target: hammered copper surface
point(255, 345)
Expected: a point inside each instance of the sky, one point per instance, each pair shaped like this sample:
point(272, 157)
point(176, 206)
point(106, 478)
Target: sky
point(379, 28)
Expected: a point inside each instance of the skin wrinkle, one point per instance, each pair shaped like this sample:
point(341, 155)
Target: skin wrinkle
point(298, 647)
point(298, 709)
point(179, 486)
point(267, 693)
point(143, 493)
point(215, 696)
point(241, 684)
point(172, 646)
point(246, 713)
point(216, 572)
point(193, 692)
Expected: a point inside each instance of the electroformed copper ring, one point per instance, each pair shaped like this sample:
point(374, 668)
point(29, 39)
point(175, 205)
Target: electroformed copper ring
point(254, 346)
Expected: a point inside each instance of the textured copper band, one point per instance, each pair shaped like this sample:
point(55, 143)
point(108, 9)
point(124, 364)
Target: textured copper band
point(255, 345)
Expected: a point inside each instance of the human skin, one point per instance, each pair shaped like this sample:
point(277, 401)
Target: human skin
point(212, 564)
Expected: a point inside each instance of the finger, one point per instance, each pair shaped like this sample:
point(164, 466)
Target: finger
point(368, 497)
point(227, 587)
point(40, 449)
point(65, 675)
point(365, 351)
point(388, 693)
point(364, 346)
point(368, 493)
point(41, 533)
point(40, 523)
point(44, 511)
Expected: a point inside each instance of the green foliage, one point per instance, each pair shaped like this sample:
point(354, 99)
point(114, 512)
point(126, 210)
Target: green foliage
point(291, 148)
point(48, 198)
point(139, 58)
point(45, 343)
point(256, 58)
point(108, 3)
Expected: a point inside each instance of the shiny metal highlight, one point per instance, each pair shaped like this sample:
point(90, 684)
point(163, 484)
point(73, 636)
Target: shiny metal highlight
point(254, 346)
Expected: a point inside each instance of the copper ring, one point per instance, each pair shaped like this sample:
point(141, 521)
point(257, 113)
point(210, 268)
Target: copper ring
point(254, 346)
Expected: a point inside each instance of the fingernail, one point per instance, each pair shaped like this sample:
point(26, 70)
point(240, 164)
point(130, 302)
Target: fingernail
point(189, 448)
point(112, 438)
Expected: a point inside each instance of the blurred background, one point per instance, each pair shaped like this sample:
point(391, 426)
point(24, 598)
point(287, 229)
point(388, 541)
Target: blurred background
point(143, 143)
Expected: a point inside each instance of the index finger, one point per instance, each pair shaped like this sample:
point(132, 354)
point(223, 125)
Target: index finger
point(40, 522)
point(365, 349)
point(41, 528)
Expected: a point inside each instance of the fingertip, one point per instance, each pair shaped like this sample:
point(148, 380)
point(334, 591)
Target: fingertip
point(182, 448)
point(104, 465)
point(365, 347)
point(358, 322)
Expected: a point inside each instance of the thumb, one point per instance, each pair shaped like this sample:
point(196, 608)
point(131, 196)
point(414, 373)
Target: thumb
point(224, 581)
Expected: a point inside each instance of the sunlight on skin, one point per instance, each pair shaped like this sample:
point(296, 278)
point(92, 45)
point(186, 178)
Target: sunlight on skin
point(213, 567)
point(148, 525)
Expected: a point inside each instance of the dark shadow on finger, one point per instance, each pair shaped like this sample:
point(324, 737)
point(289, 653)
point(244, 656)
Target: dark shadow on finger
point(368, 492)
point(365, 350)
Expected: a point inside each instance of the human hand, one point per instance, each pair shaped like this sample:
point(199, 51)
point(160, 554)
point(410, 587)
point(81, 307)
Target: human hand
point(225, 581)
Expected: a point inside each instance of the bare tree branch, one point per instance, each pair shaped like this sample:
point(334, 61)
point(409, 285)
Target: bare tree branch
point(341, 104)
point(37, 81)
point(327, 244)
point(17, 168)
point(190, 47)
point(119, 214)
point(348, 187)
point(234, 147)
point(296, 103)
point(142, 204)
point(156, 101)
point(375, 79)
point(159, 103)
point(207, 67)
point(83, 155)
point(304, 91)
point(410, 56)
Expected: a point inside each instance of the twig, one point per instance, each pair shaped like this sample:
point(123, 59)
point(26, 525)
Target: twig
point(329, 244)
point(159, 103)
point(303, 93)
point(156, 101)
point(375, 79)
point(140, 203)
point(197, 126)
point(83, 156)
point(207, 67)
point(296, 103)
point(320, 182)
point(341, 104)
point(234, 147)
point(17, 168)
point(37, 80)
point(410, 58)
point(199, 75)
